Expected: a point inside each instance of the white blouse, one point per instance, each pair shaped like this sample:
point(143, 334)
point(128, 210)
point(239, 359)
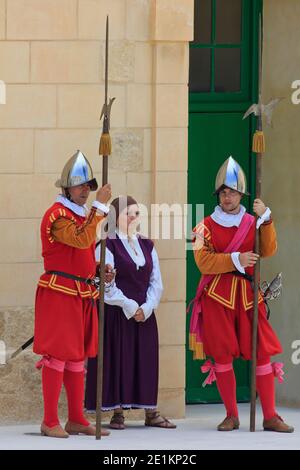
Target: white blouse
point(115, 296)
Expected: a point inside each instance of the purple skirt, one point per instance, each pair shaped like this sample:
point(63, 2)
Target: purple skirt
point(130, 367)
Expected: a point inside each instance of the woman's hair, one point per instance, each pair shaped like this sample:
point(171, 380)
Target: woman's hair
point(116, 207)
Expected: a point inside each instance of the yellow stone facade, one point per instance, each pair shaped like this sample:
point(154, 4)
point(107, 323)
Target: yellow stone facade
point(52, 61)
point(281, 178)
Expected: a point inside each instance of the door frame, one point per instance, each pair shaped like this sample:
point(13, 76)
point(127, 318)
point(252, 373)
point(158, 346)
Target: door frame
point(240, 101)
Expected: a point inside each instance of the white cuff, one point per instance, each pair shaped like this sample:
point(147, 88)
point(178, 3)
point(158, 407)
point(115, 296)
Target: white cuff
point(236, 261)
point(130, 306)
point(100, 207)
point(147, 309)
point(263, 218)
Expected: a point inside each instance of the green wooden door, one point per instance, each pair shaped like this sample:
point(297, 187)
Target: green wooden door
point(223, 83)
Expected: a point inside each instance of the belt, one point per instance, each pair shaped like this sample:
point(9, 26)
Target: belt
point(244, 275)
point(89, 281)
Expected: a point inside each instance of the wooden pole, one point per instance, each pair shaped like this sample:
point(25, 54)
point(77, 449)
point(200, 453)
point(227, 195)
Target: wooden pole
point(258, 148)
point(102, 261)
point(255, 301)
point(101, 318)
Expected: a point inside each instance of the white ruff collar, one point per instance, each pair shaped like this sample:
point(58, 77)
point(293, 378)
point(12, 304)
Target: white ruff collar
point(79, 210)
point(227, 220)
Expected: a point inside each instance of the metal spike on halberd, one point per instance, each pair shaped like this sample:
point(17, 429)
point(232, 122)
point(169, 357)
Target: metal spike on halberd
point(260, 109)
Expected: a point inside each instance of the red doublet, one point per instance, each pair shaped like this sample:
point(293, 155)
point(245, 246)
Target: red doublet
point(66, 322)
point(227, 307)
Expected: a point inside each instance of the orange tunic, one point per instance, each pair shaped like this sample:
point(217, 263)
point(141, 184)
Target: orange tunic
point(68, 232)
point(227, 301)
point(68, 242)
point(66, 322)
point(211, 262)
point(210, 241)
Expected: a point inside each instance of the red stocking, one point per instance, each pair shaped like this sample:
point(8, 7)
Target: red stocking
point(266, 388)
point(227, 387)
point(74, 385)
point(52, 382)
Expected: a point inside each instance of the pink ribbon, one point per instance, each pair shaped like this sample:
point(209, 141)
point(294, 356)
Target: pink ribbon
point(73, 366)
point(275, 368)
point(45, 361)
point(278, 371)
point(208, 366)
point(50, 362)
point(265, 369)
point(223, 367)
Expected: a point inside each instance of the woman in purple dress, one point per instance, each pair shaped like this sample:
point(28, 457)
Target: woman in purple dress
point(130, 366)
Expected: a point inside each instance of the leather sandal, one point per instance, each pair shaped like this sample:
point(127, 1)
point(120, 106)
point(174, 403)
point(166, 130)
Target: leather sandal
point(117, 421)
point(155, 420)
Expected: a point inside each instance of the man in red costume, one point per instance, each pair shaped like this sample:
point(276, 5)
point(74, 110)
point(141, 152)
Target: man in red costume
point(221, 323)
point(66, 322)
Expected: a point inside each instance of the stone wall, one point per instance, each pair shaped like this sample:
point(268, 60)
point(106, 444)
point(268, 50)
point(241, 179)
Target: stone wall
point(52, 61)
point(281, 176)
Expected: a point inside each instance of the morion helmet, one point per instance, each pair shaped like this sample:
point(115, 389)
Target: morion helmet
point(232, 176)
point(77, 171)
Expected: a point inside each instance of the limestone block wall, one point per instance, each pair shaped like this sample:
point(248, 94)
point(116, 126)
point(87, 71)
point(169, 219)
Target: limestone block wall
point(281, 174)
point(52, 61)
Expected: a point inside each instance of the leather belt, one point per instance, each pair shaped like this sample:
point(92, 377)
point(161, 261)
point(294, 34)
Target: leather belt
point(244, 275)
point(88, 281)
